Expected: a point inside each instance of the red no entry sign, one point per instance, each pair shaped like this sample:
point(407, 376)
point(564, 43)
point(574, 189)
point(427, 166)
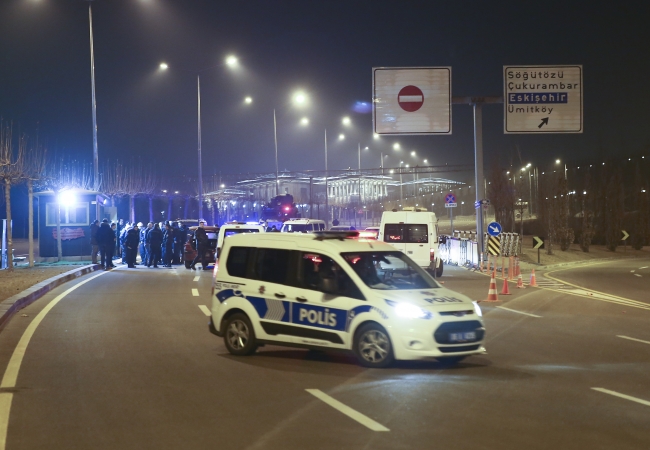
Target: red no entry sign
point(410, 98)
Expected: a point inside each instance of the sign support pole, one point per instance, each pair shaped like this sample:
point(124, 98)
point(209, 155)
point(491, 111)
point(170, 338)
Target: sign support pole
point(451, 215)
point(478, 171)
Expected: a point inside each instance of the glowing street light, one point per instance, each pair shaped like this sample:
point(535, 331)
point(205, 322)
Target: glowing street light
point(248, 100)
point(232, 61)
point(346, 121)
point(396, 146)
point(341, 137)
point(304, 121)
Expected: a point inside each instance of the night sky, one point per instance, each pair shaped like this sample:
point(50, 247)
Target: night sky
point(325, 48)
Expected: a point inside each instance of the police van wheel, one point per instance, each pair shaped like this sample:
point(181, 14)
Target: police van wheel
point(239, 335)
point(439, 270)
point(372, 346)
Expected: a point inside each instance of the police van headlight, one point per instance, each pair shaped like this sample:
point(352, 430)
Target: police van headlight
point(408, 310)
point(477, 309)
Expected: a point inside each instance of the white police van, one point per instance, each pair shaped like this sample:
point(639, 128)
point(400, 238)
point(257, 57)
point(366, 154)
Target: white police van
point(330, 291)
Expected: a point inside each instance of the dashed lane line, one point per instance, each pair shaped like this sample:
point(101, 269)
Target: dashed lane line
point(197, 278)
point(205, 310)
point(11, 372)
point(618, 394)
point(195, 292)
point(518, 312)
point(634, 339)
point(637, 275)
point(351, 413)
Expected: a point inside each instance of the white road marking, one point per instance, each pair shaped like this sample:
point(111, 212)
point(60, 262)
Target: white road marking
point(351, 413)
point(195, 292)
point(637, 275)
point(618, 394)
point(196, 278)
point(11, 373)
point(633, 339)
point(519, 312)
point(205, 310)
point(632, 271)
point(644, 267)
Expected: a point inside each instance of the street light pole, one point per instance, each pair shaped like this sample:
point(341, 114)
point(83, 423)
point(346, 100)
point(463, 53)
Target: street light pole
point(327, 214)
point(198, 95)
point(275, 135)
point(359, 151)
point(92, 82)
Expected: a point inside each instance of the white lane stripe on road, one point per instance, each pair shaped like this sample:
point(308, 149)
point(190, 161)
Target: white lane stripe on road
point(205, 310)
point(637, 275)
point(518, 312)
point(11, 373)
point(196, 278)
point(644, 267)
point(618, 394)
point(633, 339)
point(351, 413)
point(195, 292)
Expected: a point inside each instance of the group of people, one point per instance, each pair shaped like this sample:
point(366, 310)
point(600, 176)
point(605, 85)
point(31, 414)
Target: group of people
point(157, 243)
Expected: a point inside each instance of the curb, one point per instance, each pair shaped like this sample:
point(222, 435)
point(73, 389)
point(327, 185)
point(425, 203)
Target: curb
point(12, 305)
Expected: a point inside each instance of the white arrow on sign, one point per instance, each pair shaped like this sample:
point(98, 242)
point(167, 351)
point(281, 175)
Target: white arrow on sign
point(538, 242)
point(625, 235)
point(495, 229)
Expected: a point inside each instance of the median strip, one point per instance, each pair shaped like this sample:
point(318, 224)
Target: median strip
point(351, 413)
point(618, 394)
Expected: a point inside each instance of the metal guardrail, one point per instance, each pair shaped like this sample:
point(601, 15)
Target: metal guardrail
point(462, 249)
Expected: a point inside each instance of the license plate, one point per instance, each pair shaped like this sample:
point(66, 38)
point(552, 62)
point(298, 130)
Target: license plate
point(462, 337)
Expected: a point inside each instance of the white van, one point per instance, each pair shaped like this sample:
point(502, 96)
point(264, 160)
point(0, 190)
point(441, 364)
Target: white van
point(303, 226)
point(232, 228)
point(414, 232)
point(328, 291)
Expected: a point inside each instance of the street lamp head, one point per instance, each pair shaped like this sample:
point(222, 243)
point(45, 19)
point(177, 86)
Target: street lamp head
point(396, 146)
point(413, 153)
point(425, 161)
point(346, 121)
point(248, 100)
point(366, 148)
point(304, 121)
point(299, 98)
point(163, 66)
point(341, 137)
point(232, 61)
point(557, 161)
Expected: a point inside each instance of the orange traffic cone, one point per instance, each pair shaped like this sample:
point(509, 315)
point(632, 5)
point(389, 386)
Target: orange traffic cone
point(505, 290)
point(533, 280)
point(492, 293)
point(520, 282)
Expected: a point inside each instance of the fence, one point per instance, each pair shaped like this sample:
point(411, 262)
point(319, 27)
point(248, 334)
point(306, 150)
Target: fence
point(462, 249)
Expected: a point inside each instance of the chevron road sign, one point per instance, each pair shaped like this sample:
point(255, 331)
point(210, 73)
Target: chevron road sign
point(625, 235)
point(538, 242)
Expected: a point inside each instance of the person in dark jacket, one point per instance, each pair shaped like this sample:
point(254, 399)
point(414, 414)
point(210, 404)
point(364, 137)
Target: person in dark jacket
point(123, 233)
point(110, 248)
point(131, 245)
point(202, 244)
point(155, 237)
point(103, 239)
point(179, 242)
point(168, 243)
point(94, 245)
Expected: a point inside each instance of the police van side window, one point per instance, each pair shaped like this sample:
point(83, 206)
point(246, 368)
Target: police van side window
point(238, 261)
point(272, 265)
point(321, 273)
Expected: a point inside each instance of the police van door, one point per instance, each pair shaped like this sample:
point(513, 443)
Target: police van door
point(327, 294)
point(416, 243)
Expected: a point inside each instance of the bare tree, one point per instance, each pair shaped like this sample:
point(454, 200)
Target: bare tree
point(502, 197)
point(12, 165)
point(614, 210)
point(588, 231)
point(34, 173)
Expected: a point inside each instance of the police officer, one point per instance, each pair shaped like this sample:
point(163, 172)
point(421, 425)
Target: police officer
point(141, 248)
point(168, 242)
point(202, 244)
point(94, 245)
point(155, 237)
point(103, 238)
point(178, 243)
point(131, 245)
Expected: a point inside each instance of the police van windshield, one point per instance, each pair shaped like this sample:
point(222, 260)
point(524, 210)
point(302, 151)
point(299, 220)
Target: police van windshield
point(297, 228)
point(389, 271)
